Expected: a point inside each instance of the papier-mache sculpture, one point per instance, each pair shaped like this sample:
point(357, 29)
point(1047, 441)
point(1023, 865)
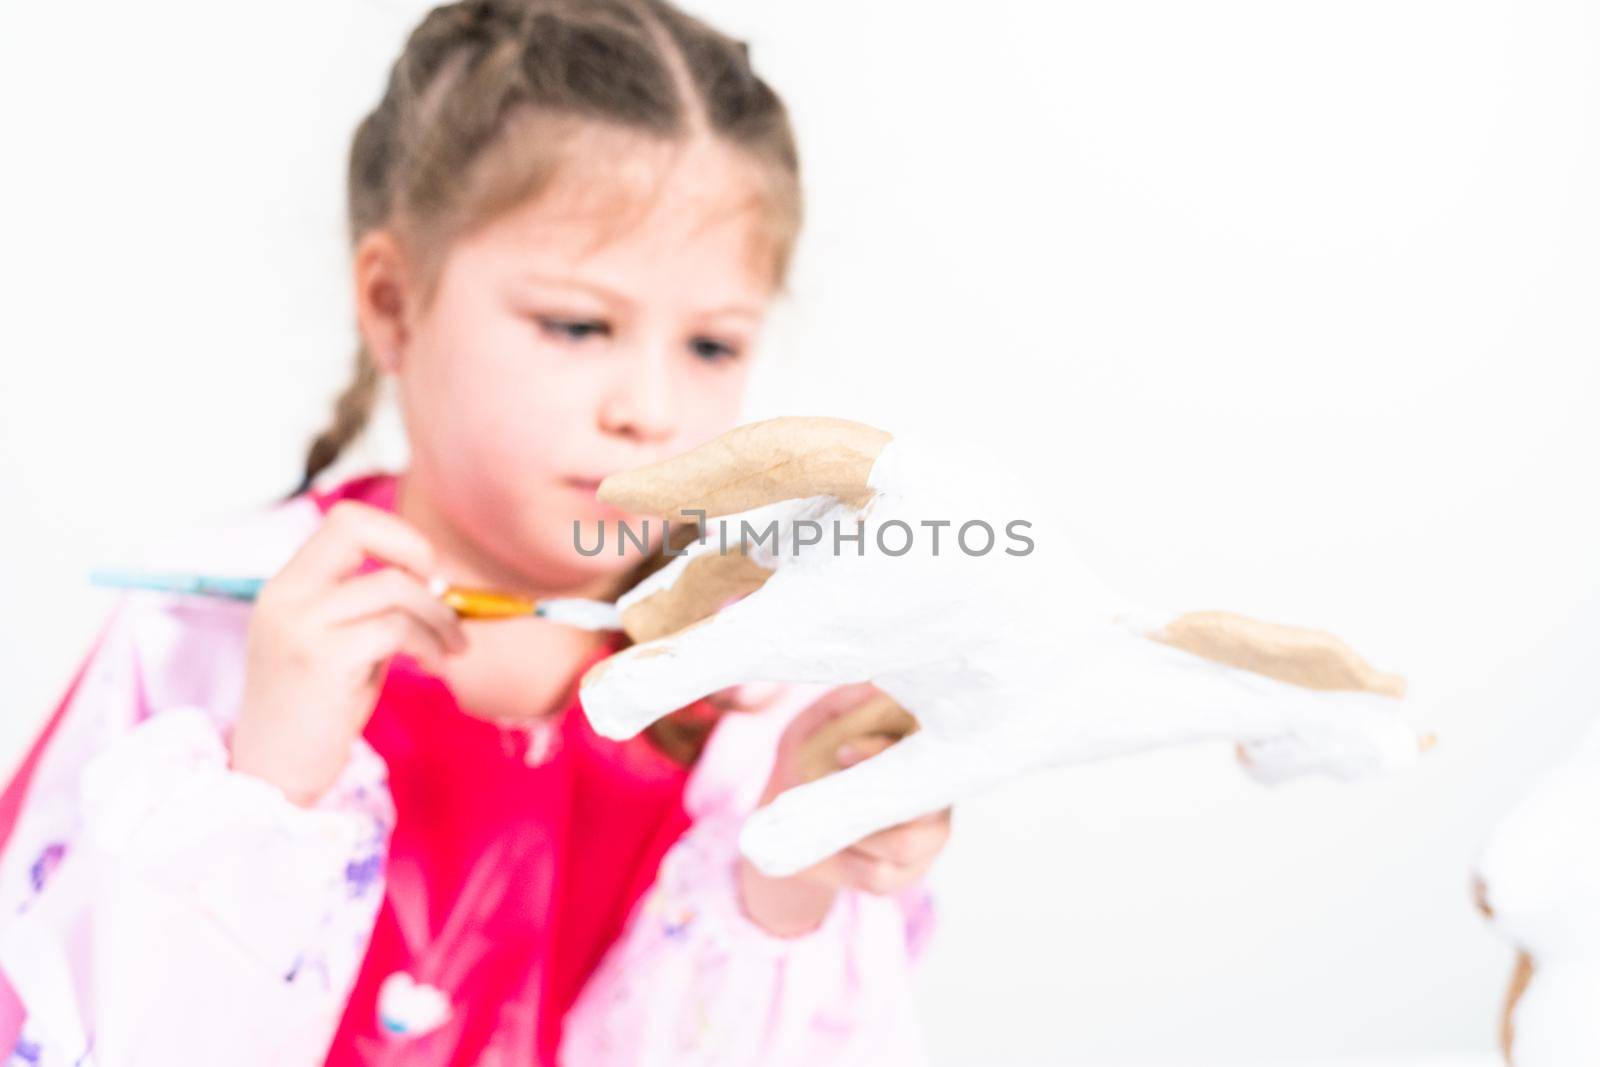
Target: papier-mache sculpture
point(1539, 884)
point(1007, 659)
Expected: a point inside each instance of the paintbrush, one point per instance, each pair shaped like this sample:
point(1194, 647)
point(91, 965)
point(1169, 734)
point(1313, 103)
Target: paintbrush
point(467, 603)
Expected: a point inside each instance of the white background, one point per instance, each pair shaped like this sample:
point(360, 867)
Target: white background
point(1288, 306)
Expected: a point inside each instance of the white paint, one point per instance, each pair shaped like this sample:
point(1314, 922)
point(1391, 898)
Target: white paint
point(580, 613)
point(409, 1008)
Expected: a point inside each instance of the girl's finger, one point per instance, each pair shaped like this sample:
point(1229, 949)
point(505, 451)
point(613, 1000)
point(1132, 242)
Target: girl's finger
point(379, 591)
point(875, 876)
point(861, 748)
point(843, 721)
point(907, 843)
point(833, 704)
point(350, 533)
point(371, 641)
point(748, 697)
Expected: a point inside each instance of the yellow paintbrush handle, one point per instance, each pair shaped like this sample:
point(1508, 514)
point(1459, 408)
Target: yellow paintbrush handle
point(486, 604)
point(491, 604)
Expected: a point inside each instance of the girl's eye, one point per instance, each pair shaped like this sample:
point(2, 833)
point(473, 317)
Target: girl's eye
point(712, 350)
point(575, 329)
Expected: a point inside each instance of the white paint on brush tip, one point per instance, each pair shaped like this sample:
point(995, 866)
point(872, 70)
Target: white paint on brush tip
point(580, 613)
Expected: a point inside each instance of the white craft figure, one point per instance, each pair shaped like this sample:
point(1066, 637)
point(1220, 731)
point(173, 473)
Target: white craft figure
point(1539, 883)
point(1007, 661)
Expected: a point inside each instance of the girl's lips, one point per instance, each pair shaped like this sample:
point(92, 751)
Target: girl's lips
point(589, 488)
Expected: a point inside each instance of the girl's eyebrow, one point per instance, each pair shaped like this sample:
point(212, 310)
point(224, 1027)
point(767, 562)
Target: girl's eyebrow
point(613, 297)
point(732, 311)
point(609, 296)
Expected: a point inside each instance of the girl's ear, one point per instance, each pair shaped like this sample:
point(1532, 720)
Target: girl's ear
point(383, 296)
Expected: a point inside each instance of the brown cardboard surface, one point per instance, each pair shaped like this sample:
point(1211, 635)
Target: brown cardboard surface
point(706, 584)
point(1314, 659)
point(754, 465)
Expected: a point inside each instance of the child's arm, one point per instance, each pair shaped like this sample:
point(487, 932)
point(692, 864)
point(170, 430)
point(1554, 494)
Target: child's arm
point(699, 976)
point(158, 906)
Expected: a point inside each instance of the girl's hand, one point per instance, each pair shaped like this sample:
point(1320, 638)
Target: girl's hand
point(884, 862)
point(320, 641)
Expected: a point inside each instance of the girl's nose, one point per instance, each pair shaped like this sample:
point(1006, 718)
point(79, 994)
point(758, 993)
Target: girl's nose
point(641, 405)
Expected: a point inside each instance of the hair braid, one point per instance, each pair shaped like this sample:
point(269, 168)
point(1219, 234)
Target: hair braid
point(352, 410)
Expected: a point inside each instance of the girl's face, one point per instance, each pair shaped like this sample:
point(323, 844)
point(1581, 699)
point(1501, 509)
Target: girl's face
point(607, 323)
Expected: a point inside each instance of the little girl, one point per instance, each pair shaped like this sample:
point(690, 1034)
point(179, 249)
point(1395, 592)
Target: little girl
point(341, 826)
